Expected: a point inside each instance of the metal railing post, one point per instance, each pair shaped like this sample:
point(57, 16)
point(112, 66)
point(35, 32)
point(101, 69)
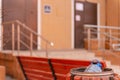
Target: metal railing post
point(99, 39)
point(89, 35)
point(46, 50)
point(110, 43)
point(13, 37)
point(104, 39)
point(2, 37)
point(18, 38)
point(31, 43)
point(19, 41)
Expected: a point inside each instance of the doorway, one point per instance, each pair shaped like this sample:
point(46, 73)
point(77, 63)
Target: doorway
point(26, 12)
point(85, 13)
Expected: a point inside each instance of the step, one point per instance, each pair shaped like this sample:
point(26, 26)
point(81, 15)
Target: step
point(108, 63)
point(9, 78)
point(115, 68)
point(63, 54)
point(99, 58)
point(109, 58)
point(71, 55)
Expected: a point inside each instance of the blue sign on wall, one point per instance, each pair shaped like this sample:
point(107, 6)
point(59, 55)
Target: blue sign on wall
point(47, 9)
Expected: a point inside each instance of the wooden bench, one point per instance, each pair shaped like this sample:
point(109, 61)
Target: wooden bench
point(49, 69)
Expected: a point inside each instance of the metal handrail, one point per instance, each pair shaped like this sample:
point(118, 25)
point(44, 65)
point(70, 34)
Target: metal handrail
point(109, 34)
point(107, 41)
point(105, 34)
point(29, 29)
point(104, 27)
point(26, 36)
point(20, 24)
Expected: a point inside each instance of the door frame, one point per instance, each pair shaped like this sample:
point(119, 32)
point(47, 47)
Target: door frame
point(1, 32)
point(73, 22)
point(39, 22)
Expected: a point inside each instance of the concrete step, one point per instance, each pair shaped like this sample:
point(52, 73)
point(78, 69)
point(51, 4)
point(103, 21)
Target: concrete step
point(9, 78)
point(72, 55)
point(79, 54)
point(99, 58)
point(108, 63)
point(115, 68)
point(110, 58)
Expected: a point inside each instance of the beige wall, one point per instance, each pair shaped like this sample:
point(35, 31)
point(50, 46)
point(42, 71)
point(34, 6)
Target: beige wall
point(113, 16)
point(112, 13)
point(56, 26)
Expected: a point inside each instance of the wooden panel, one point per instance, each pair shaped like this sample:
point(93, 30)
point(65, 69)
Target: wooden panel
point(102, 15)
point(113, 16)
point(87, 16)
point(112, 12)
point(24, 11)
point(56, 26)
point(39, 72)
point(30, 19)
point(12, 10)
point(79, 28)
point(90, 13)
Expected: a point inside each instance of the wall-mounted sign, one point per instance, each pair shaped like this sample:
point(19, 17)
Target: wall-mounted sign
point(79, 6)
point(78, 17)
point(47, 9)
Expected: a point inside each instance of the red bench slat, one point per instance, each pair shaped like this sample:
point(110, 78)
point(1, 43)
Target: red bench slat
point(32, 58)
point(74, 62)
point(39, 72)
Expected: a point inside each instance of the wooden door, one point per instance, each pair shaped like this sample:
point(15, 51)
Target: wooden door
point(90, 13)
point(79, 22)
point(85, 13)
point(26, 12)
